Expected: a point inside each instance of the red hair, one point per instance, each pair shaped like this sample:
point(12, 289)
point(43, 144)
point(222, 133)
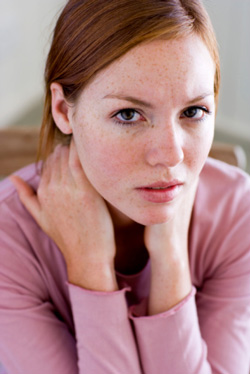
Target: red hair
point(91, 34)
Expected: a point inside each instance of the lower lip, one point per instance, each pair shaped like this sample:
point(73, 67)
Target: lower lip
point(160, 196)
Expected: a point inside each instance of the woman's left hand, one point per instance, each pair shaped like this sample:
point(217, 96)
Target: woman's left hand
point(167, 244)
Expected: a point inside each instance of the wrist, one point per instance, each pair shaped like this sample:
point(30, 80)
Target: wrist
point(170, 284)
point(97, 276)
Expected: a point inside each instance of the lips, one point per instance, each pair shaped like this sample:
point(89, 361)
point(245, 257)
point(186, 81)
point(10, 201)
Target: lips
point(160, 192)
point(163, 185)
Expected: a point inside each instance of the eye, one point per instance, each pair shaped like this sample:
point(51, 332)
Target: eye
point(197, 113)
point(128, 116)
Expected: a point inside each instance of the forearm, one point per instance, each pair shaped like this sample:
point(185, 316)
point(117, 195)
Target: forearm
point(105, 340)
point(170, 282)
point(171, 342)
point(167, 245)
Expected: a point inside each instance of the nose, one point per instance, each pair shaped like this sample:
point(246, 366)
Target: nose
point(165, 147)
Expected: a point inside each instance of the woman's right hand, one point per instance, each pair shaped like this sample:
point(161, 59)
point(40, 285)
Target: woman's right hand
point(72, 213)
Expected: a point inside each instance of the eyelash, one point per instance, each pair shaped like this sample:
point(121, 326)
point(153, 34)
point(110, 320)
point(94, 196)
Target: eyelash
point(205, 111)
point(134, 123)
point(126, 123)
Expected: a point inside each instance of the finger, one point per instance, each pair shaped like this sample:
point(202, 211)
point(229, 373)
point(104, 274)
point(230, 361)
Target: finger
point(27, 196)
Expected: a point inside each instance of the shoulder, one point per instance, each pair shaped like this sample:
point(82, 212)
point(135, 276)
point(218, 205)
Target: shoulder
point(32, 268)
point(20, 236)
point(222, 185)
point(30, 173)
point(28, 255)
point(15, 220)
point(223, 195)
point(220, 240)
point(12, 211)
point(224, 174)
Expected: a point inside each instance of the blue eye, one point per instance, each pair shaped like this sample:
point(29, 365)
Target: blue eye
point(197, 113)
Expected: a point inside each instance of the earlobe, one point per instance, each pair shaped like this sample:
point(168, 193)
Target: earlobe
point(60, 109)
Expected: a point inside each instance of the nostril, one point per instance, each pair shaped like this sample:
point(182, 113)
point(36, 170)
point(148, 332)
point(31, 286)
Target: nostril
point(167, 156)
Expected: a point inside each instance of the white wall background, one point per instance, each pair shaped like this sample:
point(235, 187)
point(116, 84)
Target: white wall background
point(231, 22)
point(25, 29)
point(26, 26)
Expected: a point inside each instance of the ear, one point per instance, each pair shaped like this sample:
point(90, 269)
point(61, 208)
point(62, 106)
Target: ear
point(60, 109)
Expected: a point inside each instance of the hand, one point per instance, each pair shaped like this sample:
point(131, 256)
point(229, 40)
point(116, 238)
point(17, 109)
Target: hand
point(174, 232)
point(167, 244)
point(72, 213)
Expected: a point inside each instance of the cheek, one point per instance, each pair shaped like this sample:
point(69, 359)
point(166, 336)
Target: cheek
point(105, 157)
point(201, 149)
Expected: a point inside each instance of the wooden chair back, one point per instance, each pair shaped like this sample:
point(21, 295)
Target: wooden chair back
point(230, 153)
point(18, 147)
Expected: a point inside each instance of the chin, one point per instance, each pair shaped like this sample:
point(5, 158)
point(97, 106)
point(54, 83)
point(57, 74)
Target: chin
point(147, 217)
point(152, 219)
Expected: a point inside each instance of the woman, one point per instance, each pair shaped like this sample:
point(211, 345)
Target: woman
point(129, 251)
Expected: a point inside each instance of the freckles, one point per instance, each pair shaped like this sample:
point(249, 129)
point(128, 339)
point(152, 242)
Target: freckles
point(118, 161)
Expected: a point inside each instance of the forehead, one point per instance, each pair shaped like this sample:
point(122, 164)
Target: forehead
point(183, 65)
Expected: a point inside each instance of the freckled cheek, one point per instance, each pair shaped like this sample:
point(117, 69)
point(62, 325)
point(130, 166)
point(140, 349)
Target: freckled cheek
point(197, 155)
point(109, 158)
point(117, 160)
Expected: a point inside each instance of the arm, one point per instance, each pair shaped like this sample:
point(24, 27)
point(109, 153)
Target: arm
point(209, 333)
point(172, 325)
point(32, 337)
point(206, 334)
point(75, 217)
point(71, 212)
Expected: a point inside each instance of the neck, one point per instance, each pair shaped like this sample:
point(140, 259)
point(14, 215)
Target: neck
point(131, 254)
point(119, 219)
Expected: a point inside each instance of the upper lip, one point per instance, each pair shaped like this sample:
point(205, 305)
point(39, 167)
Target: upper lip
point(162, 184)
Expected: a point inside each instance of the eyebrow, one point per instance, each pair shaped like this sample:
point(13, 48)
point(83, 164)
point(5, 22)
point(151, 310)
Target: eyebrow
point(200, 97)
point(146, 104)
point(132, 99)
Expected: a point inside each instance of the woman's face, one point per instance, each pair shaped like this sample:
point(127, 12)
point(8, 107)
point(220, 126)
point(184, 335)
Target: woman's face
point(144, 126)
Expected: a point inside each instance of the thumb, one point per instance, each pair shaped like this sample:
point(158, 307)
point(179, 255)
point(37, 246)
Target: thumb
point(27, 196)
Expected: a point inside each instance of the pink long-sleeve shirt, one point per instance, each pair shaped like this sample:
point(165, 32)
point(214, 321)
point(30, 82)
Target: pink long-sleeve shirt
point(50, 326)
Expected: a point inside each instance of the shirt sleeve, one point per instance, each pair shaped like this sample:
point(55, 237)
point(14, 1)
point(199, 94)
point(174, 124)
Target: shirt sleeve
point(171, 342)
point(223, 302)
point(34, 338)
point(208, 333)
point(105, 340)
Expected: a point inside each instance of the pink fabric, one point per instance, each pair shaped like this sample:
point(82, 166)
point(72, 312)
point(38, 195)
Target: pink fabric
point(2, 370)
point(50, 326)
